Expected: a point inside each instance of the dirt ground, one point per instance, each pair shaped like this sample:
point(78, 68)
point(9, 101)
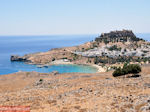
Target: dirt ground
point(76, 92)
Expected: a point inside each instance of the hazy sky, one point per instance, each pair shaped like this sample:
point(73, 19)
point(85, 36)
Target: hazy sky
point(46, 17)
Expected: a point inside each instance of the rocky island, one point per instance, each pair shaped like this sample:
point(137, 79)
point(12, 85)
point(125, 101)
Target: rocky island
point(80, 92)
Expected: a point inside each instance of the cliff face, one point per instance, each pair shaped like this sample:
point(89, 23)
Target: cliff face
point(117, 36)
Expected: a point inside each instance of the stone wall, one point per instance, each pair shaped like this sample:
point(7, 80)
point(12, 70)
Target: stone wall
point(117, 36)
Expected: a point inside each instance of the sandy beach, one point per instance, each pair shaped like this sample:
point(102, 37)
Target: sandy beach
point(66, 62)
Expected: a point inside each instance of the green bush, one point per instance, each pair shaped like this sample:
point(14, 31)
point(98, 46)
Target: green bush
point(127, 69)
point(115, 48)
point(53, 59)
point(96, 60)
point(40, 80)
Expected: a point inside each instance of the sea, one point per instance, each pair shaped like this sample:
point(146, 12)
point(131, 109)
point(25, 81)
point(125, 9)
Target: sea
point(21, 45)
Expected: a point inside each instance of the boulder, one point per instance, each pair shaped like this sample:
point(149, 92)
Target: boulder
point(55, 72)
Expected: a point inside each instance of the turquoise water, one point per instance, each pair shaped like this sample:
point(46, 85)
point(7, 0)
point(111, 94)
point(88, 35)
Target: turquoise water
point(22, 45)
point(70, 68)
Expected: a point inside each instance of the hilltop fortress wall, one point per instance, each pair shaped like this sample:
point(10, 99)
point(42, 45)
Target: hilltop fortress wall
point(117, 36)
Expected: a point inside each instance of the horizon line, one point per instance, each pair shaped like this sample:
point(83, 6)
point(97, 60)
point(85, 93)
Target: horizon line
point(64, 34)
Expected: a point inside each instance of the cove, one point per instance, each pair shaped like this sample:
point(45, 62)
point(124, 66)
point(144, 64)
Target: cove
point(61, 68)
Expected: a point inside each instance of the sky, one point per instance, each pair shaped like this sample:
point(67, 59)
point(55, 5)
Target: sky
point(50, 17)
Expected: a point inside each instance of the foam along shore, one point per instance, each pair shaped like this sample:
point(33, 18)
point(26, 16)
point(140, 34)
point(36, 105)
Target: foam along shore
point(67, 62)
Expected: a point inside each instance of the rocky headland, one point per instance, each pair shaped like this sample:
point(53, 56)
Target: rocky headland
point(109, 49)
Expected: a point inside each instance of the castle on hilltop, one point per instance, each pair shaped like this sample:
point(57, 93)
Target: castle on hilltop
point(117, 36)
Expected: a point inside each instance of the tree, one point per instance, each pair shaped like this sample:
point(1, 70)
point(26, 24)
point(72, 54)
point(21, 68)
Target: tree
point(96, 60)
point(127, 69)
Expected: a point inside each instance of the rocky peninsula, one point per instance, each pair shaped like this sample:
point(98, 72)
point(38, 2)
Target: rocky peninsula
point(109, 49)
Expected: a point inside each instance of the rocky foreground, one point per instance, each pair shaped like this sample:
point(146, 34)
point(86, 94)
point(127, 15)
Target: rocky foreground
point(76, 92)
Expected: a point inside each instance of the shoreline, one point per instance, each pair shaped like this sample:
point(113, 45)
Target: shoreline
point(100, 68)
point(62, 62)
